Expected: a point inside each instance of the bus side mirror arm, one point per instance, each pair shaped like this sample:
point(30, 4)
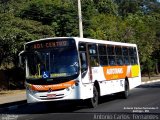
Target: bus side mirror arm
point(20, 58)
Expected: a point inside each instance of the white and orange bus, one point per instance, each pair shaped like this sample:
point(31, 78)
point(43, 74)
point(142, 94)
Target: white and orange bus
point(67, 68)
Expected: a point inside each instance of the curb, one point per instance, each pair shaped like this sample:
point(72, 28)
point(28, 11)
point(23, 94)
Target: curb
point(152, 81)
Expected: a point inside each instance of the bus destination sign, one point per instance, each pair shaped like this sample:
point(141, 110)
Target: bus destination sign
point(49, 44)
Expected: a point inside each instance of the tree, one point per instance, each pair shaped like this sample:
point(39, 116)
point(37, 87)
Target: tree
point(104, 27)
point(59, 14)
point(117, 20)
point(14, 32)
point(106, 6)
point(128, 6)
point(142, 35)
point(88, 11)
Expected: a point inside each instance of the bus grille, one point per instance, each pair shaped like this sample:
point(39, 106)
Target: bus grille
point(59, 96)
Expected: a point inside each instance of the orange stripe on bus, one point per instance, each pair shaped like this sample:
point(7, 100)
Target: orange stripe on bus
point(53, 87)
point(116, 72)
point(120, 72)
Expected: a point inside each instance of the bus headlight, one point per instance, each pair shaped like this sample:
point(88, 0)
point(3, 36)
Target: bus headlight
point(29, 88)
point(67, 89)
point(72, 86)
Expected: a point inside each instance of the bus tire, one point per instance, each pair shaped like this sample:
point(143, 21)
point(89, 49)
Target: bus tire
point(93, 102)
point(125, 93)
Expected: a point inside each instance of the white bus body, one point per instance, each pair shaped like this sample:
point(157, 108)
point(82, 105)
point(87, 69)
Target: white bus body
point(93, 68)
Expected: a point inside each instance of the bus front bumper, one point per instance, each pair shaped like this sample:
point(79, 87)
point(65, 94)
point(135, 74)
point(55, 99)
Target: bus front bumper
point(66, 94)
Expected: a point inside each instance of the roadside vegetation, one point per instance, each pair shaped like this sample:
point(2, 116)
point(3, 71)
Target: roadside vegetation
point(132, 21)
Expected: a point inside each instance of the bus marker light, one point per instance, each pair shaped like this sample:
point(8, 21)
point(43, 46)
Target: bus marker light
point(67, 89)
point(76, 83)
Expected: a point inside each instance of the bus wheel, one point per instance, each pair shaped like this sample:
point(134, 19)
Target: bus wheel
point(125, 93)
point(93, 102)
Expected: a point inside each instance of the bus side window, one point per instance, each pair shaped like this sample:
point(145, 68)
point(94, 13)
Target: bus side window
point(119, 58)
point(92, 48)
point(133, 55)
point(125, 55)
point(111, 55)
point(82, 46)
point(103, 59)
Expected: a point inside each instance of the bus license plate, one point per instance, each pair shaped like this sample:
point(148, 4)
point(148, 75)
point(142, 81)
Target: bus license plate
point(51, 95)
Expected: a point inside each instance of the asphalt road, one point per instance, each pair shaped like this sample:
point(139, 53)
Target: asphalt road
point(143, 103)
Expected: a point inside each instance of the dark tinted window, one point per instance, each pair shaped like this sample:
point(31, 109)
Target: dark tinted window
point(126, 60)
point(92, 49)
point(82, 46)
point(111, 60)
point(131, 51)
point(133, 55)
point(119, 60)
point(119, 57)
point(118, 50)
point(94, 61)
point(110, 50)
point(125, 51)
point(102, 50)
point(103, 60)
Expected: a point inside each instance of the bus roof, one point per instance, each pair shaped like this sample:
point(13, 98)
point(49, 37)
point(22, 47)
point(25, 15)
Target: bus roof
point(88, 40)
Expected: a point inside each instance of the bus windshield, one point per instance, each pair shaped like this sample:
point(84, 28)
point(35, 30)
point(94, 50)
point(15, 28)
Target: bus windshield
point(52, 63)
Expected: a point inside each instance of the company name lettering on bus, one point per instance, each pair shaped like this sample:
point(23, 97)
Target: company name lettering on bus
point(49, 45)
point(114, 71)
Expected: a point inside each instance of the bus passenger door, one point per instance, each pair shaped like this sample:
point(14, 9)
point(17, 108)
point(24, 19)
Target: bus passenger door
point(84, 62)
point(93, 61)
